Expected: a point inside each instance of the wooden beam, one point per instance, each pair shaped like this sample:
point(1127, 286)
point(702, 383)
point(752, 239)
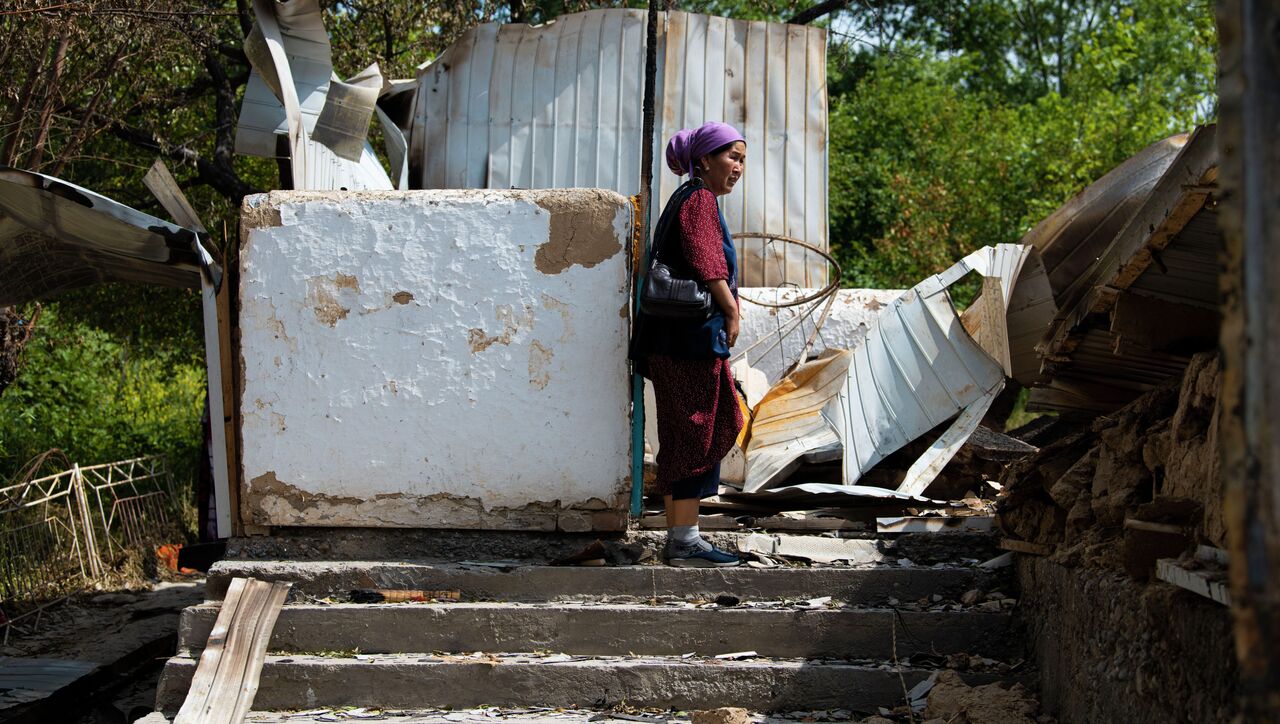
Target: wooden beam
point(230, 400)
point(1249, 215)
point(1022, 546)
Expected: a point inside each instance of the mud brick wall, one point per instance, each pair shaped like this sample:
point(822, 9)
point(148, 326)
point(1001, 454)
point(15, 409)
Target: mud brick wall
point(1111, 649)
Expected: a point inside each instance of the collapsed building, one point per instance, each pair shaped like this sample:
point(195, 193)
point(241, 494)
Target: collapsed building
point(442, 346)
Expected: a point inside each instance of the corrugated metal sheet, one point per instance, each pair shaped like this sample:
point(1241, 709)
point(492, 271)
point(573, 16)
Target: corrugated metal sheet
point(56, 236)
point(291, 50)
point(770, 81)
point(548, 106)
point(917, 369)
point(1162, 264)
point(1187, 270)
point(559, 105)
point(1071, 238)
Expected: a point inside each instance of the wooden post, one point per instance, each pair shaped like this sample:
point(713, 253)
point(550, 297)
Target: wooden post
point(1249, 214)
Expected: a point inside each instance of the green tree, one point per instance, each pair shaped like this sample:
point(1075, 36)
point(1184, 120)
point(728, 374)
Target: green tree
point(937, 149)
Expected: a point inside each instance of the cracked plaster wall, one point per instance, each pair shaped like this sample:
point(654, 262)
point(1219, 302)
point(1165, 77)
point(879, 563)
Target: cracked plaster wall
point(443, 359)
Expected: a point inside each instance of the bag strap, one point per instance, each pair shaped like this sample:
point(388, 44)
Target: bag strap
point(664, 223)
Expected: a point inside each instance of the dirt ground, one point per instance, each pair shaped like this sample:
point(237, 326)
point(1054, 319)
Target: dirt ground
point(127, 634)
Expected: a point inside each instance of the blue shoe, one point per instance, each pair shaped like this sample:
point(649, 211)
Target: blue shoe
point(695, 556)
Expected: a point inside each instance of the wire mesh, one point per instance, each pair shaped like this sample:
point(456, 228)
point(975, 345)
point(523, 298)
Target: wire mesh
point(56, 530)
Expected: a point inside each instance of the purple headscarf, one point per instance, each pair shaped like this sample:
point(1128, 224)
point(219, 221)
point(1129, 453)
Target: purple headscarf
point(691, 144)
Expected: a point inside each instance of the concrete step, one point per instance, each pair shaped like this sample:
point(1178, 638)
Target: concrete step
point(523, 715)
point(602, 629)
point(532, 583)
point(524, 680)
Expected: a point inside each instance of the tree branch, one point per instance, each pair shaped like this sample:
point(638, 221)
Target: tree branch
point(804, 17)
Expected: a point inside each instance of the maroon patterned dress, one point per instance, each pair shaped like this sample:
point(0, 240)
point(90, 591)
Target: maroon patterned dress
point(698, 414)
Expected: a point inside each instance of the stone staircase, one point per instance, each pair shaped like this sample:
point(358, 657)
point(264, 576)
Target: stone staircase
point(648, 636)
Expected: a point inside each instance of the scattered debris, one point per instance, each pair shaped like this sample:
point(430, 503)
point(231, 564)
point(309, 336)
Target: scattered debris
point(1153, 462)
point(921, 524)
point(738, 656)
point(723, 715)
point(812, 548)
point(952, 700)
point(384, 595)
point(607, 552)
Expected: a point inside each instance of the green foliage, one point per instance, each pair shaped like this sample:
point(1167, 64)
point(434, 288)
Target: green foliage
point(100, 399)
point(935, 151)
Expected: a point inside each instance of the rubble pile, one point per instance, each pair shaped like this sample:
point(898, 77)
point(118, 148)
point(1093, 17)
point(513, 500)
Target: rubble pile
point(953, 701)
point(1153, 461)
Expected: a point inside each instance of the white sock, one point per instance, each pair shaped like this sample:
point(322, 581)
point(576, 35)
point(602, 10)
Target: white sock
point(687, 535)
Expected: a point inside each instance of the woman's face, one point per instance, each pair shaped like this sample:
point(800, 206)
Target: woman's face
point(722, 170)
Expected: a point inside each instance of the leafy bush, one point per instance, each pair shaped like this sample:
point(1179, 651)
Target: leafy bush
point(99, 397)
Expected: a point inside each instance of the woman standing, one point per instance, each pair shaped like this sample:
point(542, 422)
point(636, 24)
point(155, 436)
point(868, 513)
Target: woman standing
point(687, 360)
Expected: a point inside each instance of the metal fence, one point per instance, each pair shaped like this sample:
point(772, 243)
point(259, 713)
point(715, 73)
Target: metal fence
point(60, 533)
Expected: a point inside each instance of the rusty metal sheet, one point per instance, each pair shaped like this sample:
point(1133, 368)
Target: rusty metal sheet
point(1163, 263)
point(769, 80)
point(1071, 238)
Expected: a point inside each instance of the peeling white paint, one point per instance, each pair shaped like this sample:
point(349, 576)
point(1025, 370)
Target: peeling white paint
point(403, 345)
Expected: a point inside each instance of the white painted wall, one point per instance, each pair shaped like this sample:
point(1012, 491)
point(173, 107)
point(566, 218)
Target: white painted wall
point(435, 359)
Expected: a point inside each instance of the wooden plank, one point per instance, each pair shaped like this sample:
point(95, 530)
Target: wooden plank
point(1187, 206)
point(1022, 546)
point(1135, 524)
point(226, 679)
point(165, 188)
point(211, 657)
point(984, 320)
point(1198, 582)
point(230, 399)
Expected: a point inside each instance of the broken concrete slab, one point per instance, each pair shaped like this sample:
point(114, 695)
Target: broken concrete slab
point(935, 524)
point(606, 630)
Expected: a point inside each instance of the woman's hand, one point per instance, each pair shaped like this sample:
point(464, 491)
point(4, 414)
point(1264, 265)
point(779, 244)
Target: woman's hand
point(719, 289)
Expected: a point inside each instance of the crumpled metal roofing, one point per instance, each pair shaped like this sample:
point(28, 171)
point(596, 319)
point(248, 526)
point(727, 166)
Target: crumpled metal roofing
point(1072, 237)
point(1149, 300)
point(292, 89)
point(918, 368)
point(56, 236)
